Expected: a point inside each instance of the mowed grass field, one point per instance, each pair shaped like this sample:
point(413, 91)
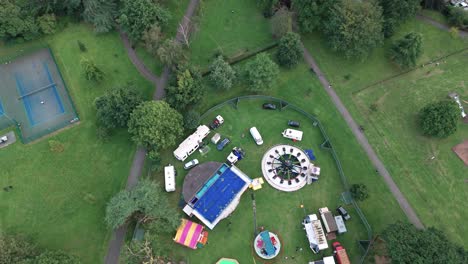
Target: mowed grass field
point(228, 27)
point(59, 199)
point(276, 210)
point(435, 190)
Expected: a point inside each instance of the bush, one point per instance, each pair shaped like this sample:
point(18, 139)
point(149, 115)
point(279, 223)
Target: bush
point(457, 17)
point(56, 146)
point(359, 192)
point(289, 50)
point(191, 120)
point(222, 75)
point(261, 73)
point(47, 23)
point(82, 46)
point(439, 119)
point(407, 50)
point(91, 71)
point(454, 32)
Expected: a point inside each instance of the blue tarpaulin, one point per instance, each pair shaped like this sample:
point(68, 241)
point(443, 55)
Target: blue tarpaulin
point(310, 153)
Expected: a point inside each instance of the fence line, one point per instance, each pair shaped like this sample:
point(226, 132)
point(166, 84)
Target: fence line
point(316, 122)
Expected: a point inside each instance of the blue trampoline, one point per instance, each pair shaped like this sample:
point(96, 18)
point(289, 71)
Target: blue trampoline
point(269, 248)
point(215, 197)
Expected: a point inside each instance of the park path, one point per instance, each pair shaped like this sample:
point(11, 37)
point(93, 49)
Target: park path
point(439, 25)
point(118, 236)
point(405, 206)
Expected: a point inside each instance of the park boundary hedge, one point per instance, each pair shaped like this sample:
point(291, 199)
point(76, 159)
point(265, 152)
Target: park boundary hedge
point(327, 144)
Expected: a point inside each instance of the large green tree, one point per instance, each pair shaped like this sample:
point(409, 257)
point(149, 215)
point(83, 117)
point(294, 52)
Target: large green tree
point(155, 125)
point(281, 22)
point(100, 13)
point(152, 38)
point(136, 16)
point(222, 75)
point(15, 22)
point(439, 119)
point(113, 109)
point(171, 52)
point(261, 73)
point(406, 244)
point(189, 89)
point(47, 23)
point(145, 203)
point(289, 50)
point(354, 27)
point(407, 50)
point(396, 12)
point(311, 14)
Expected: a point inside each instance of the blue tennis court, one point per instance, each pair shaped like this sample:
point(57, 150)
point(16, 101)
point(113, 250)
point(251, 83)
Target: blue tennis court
point(33, 96)
point(219, 195)
point(1, 108)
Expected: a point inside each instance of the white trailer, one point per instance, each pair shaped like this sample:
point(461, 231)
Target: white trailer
point(315, 233)
point(169, 178)
point(192, 143)
point(292, 134)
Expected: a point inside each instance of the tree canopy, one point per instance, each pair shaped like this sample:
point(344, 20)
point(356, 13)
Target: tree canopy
point(359, 191)
point(91, 70)
point(261, 73)
point(406, 244)
point(439, 119)
point(100, 13)
point(16, 22)
point(396, 12)
point(152, 38)
point(311, 14)
point(407, 50)
point(113, 109)
point(189, 89)
point(136, 16)
point(281, 22)
point(289, 50)
point(155, 125)
point(171, 52)
point(354, 27)
point(222, 75)
point(145, 203)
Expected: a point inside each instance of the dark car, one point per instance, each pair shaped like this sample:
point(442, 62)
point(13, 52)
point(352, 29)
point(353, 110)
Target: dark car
point(222, 144)
point(293, 123)
point(269, 106)
point(341, 211)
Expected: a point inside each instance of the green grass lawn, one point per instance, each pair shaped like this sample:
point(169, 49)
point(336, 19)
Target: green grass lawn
point(436, 15)
point(299, 87)
point(229, 27)
point(392, 130)
point(59, 198)
point(436, 188)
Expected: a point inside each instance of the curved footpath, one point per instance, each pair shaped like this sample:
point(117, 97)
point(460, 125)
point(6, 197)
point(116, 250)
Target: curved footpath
point(405, 206)
point(118, 236)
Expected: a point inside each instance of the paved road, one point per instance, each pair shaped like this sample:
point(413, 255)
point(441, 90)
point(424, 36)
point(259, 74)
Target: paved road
point(405, 206)
point(439, 25)
point(118, 237)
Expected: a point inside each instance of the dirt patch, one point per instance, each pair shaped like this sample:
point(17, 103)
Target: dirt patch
point(382, 260)
point(462, 151)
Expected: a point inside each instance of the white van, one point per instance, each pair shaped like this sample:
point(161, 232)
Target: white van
point(169, 178)
point(292, 134)
point(256, 136)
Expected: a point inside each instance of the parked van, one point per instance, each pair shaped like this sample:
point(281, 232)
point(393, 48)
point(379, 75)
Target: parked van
point(169, 178)
point(256, 136)
point(292, 134)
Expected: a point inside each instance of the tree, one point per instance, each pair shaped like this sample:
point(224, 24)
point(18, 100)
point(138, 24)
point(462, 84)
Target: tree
point(91, 70)
point(312, 13)
point(14, 23)
point(142, 252)
point(359, 191)
point(191, 120)
point(222, 75)
point(136, 16)
point(113, 109)
point(289, 50)
point(261, 73)
point(100, 13)
point(407, 50)
point(281, 22)
point(354, 27)
point(189, 89)
point(439, 119)
point(155, 125)
point(47, 23)
point(457, 17)
point(55, 257)
point(14, 249)
point(396, 12)
point(267, 6)
point(171, 53)
point(406, 244)
point(152, 38)
point(145, 203)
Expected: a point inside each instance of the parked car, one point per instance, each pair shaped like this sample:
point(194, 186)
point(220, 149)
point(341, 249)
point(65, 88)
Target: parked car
point(341, 211)
point(3, 139)
point(222, 144)
point(269, 106)
point(217, 122)
point(293, 123)
point(191, 164)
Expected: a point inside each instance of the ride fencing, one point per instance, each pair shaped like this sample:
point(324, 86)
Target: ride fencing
point(326, 144)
